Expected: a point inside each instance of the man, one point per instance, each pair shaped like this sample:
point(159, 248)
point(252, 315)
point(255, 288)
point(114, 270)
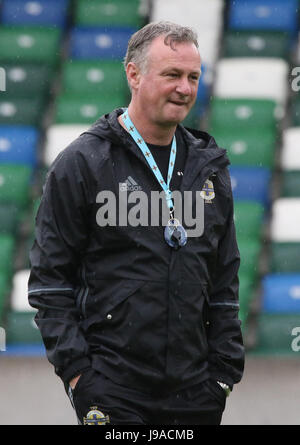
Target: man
point(138, 311)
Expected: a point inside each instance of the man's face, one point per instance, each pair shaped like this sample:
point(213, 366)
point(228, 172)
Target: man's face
point(168, 89)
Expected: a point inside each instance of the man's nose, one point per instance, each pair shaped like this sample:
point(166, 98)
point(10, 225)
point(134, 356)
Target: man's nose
point(184, 86)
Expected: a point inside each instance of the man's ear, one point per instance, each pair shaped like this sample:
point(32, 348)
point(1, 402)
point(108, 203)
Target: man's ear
point(133, 74)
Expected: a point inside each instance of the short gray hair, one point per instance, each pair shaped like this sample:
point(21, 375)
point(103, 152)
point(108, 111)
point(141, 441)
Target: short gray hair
point(140, 41)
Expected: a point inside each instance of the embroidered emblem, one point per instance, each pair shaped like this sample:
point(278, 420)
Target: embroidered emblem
point(208, 192)
point(95, 417)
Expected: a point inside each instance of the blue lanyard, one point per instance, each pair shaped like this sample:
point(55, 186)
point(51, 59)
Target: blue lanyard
point(151, 162)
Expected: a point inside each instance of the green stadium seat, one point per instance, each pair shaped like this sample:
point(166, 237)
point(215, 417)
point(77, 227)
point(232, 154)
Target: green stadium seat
point(27, 80)
point(242, 114)
point(85, 109)
point(21, 328)
point(24, 44)
point(295, 111)
point(246, 291)
point(21, 111)
point(14, 184)
point(284, 257)
point(9, 217)
point(248, 216)
point(290, 186)
point(249, 251)
point(4, 291)
point(122, 13)
point(256, 44)
point(245, 148)
point(274, 333)
point(7, 246)
point(84, 77)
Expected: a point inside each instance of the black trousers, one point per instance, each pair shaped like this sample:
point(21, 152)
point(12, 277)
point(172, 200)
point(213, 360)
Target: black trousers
point(98, 401)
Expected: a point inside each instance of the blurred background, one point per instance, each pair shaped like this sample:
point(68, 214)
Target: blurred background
point(62, 68)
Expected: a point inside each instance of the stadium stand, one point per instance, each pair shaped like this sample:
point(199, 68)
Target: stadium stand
point(57, 54)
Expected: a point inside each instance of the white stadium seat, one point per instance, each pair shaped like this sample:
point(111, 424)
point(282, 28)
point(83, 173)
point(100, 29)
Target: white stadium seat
point(285, 223)
point(290, 153)
point(204, 16)
point(19, 297)
point(199, 14)
point(252, 78)
point(58, 137)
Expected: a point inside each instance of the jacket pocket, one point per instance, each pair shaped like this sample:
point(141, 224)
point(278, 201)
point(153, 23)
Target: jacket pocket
point(107, 295)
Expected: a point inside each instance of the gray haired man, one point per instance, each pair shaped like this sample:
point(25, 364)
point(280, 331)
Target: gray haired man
point(141, 320)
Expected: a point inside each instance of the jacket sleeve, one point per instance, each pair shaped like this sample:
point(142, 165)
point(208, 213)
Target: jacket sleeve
point(60, 240)
point(226, 350)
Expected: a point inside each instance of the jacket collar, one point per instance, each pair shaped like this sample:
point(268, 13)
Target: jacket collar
point(203, 153)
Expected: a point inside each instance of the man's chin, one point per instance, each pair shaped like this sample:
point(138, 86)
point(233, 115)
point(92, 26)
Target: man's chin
point(176, 117)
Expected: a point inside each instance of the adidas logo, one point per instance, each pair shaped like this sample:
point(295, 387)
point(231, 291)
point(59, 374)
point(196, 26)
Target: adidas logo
point(129, 185)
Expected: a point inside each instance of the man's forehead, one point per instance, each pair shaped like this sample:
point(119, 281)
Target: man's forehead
point(161, 52)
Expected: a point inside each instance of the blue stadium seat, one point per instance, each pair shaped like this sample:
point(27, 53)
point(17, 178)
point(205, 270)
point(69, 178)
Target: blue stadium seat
point(250, 184)
point(18, 145)
point(203, 90)
point(281, 293)
point(263, 15)
point(99, 43)
point(37, 12)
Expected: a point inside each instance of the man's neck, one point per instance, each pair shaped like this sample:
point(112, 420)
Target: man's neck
point(151, 133)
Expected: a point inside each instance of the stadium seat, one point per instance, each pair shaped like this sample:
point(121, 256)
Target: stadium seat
point(14, 184)
point(20, 325)
point(290, 153)
point(19, 297)
point(25, 44)
point(295, 108)
point(199, 15)
point(21, 111)
point(248, 217)
point(290, 184)
point(58, 137)
point(250, 77)
point(27, 80)
point(108, 13)
point(21, 329)
point(18, 145)
point(4, 289)
point(209, 49)
point(245, 148)
point(84, 77)
point(205, 17)
point(246, 292)
point(99, 43)
point(7, 246)
point(249, 251)
point(281, 293)
point(263, 15)
point(243, 114)
point(37, 12)
point(85, 109)
point(9, 216)
point(285, 225)
point(275, 333)
point(284, 257)
point(251, 184)
point(257, 44)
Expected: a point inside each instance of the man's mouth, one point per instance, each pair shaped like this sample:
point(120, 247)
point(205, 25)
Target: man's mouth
point(178, 102)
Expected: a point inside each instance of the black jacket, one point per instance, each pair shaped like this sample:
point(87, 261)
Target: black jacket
point(118, 298)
